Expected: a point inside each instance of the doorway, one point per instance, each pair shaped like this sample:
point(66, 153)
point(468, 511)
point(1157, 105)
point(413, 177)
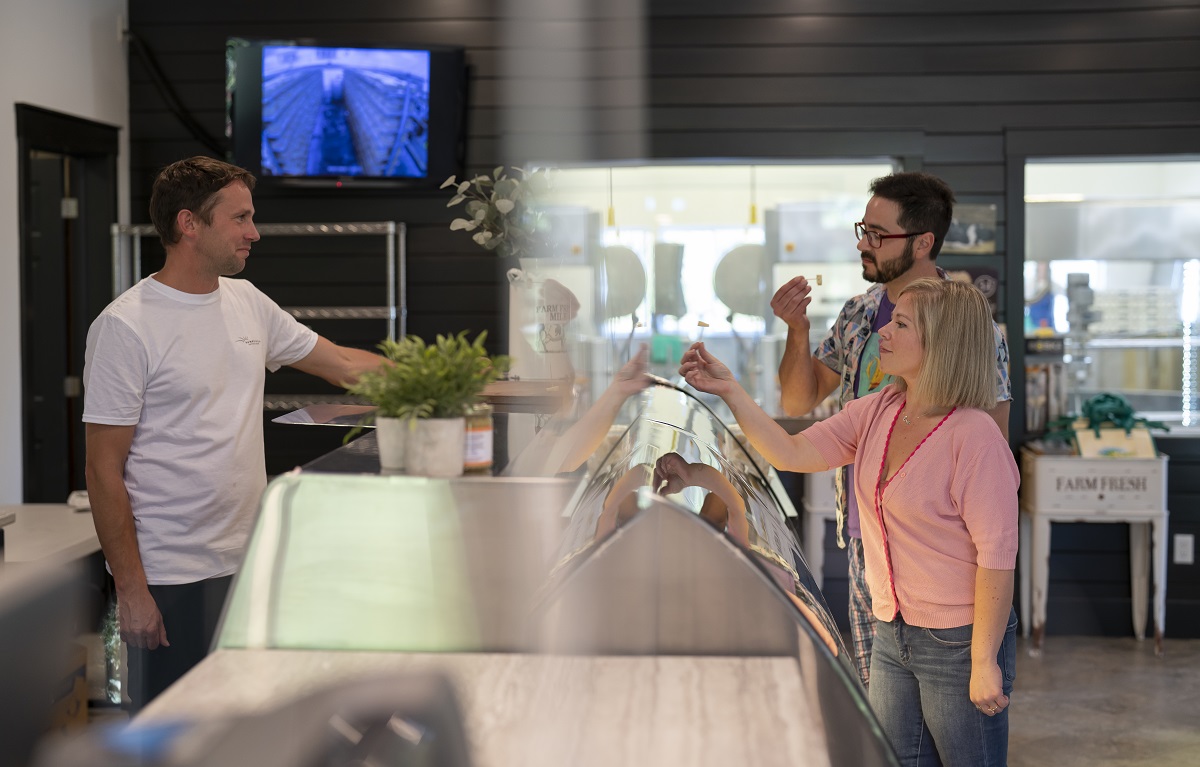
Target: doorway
point(68, 201)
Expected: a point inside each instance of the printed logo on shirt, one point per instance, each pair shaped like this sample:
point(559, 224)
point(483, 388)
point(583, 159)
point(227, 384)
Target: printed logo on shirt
point(248, 341)
point(871, 377)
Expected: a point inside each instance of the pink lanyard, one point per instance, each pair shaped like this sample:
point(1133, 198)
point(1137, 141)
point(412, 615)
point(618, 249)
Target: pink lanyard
point(879, 486)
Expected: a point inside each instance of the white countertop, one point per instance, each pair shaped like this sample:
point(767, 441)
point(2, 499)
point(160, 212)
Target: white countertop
point(550, 710)
point(47, 531)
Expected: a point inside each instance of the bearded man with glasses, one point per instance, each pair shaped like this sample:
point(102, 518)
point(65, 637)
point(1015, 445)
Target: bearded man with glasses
point(899, 239)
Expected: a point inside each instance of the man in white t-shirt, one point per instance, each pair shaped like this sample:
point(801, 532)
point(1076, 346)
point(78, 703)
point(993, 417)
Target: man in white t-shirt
point(173, 376)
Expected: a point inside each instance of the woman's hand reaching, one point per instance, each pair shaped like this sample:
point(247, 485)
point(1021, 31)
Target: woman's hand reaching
point(705, 372)
point(632, 378)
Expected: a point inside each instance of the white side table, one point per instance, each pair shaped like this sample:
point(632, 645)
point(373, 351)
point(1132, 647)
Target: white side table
point(1071, 489)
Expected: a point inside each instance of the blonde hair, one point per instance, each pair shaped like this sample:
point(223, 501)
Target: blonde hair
point(954, 324)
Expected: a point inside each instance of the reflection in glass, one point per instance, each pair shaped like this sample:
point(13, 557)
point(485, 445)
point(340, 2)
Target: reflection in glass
point(677, 449)
point(672, 229)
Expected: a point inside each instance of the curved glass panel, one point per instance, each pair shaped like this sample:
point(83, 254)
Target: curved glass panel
point(677, 449)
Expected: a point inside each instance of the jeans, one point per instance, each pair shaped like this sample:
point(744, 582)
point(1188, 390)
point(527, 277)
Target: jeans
point(920, 690)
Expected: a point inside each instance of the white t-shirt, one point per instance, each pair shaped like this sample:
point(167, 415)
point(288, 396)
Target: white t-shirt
point(188, 371)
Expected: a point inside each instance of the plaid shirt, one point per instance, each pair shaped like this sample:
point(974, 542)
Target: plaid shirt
point(841, 351)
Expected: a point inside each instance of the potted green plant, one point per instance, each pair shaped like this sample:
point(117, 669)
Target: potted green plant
point(426, 392)
point(390, 390)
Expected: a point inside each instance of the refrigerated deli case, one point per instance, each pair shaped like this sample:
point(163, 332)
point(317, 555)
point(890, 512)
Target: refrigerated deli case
point(656, 611)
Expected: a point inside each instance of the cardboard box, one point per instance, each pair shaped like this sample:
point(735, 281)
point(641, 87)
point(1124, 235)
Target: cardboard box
point(1114, 442)
point(69, 712)
point(1055, 482)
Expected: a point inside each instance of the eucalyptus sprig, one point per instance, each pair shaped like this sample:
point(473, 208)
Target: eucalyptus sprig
point(502, 209)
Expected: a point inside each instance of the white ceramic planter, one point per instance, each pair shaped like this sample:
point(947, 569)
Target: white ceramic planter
point(392, 435)
point(435, 447)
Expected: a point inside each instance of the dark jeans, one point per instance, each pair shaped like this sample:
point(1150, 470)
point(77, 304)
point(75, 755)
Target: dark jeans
point(190, 612)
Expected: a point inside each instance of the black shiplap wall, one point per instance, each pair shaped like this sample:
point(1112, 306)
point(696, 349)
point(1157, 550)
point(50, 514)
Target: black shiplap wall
point(451, 280)
point(452, 283)
point(964, 90)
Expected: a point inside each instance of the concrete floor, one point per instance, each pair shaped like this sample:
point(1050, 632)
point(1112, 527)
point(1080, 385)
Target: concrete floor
point(1106, 701)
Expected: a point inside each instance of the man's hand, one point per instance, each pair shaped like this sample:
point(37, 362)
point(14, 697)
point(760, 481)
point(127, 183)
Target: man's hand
point(790, 304)
point(705, 372)
point(141, 622)
point(107, 451)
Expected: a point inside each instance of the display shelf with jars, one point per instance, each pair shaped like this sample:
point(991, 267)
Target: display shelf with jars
point(1131, 233)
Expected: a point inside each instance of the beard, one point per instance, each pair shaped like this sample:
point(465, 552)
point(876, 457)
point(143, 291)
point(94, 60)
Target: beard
point(225, 263)
point(230, 265)
point(890, 270)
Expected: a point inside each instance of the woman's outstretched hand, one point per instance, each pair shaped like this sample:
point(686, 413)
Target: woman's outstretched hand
point(705, 372)
point(632, 378)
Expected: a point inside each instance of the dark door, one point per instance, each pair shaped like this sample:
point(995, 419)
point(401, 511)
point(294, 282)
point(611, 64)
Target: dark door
point(68, 203)
point(52, 385)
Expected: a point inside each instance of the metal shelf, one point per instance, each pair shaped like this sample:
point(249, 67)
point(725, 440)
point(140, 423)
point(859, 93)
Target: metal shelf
point(1144, 342)
point(339, 312)
point(289, 402)
point(127, 266)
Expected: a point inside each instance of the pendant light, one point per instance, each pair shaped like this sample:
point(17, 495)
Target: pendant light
point(612, 213)
point(753, 198)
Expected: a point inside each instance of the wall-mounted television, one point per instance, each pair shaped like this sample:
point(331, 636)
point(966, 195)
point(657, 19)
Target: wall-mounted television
point(302, 113)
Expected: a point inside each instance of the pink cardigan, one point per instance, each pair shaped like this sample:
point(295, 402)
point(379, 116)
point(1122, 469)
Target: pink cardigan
point(951, 509)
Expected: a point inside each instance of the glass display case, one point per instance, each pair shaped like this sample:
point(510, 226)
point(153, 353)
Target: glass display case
point(674, 544)
point(1133, 228)
point(677, 449)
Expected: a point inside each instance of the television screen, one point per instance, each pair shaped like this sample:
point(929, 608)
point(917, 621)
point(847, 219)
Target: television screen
point(321, 114)
point(345, 112)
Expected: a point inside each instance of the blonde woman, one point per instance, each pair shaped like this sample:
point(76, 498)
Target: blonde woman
point(938, 486)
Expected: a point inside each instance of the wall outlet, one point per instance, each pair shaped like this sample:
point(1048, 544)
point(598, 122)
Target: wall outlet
point(1185, 549)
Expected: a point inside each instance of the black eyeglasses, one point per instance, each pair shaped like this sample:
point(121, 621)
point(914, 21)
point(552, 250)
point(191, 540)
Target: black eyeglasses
point(875, 239)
